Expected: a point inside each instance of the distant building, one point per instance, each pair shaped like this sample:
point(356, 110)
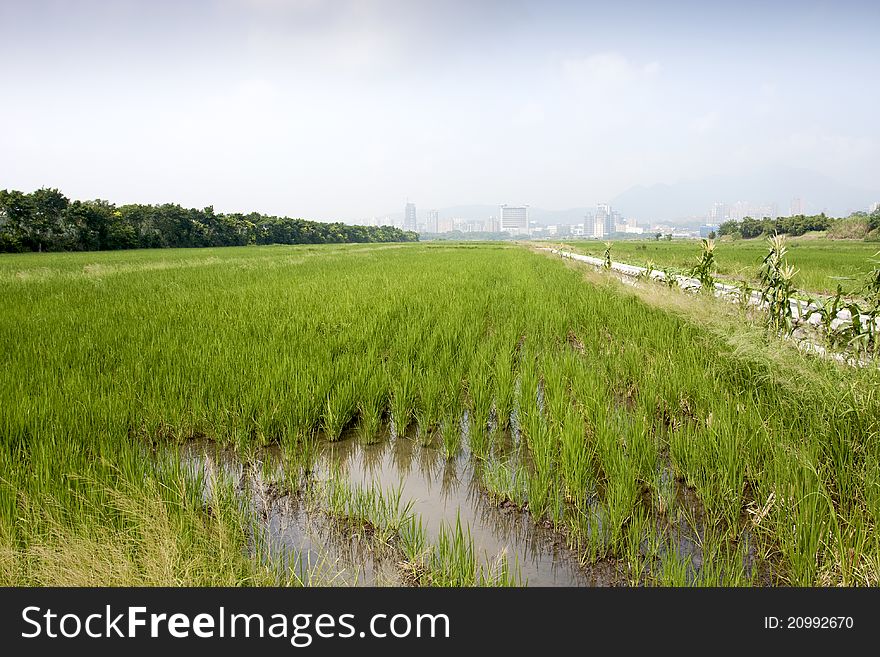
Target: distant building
point(515, 219)
point(718, 213)
point(875, 206)
point(588, 227)
point(708, 228)
point(445, 225)
point(742, 209)
point(796, 207)
point(409, 217)
point(432, 222)
point(604, 222)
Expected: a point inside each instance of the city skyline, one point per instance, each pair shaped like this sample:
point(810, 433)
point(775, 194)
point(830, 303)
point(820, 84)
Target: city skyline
point(599, 221)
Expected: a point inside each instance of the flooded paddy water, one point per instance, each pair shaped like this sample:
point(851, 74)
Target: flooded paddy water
point(294, 524)
point(443, 492)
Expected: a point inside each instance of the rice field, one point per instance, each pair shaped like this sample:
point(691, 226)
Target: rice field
point(419, 414)
point(821, 264)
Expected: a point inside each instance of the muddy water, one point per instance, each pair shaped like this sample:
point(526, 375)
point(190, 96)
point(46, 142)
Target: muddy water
point(442, 491)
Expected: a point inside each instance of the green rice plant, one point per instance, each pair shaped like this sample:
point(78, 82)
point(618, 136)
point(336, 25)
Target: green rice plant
point(370, 423)
point(428, 412)
point(339, 411)
point(621, 484)
point(402, 400)
point(479, 410)
point(674, 570)
point(637, 564)
point(118, 368)
point(505, 482)
point(723, 562)
point(371, 511)
point(504, 392)
point(454, 562)
point(450, 431)
point(576, 460)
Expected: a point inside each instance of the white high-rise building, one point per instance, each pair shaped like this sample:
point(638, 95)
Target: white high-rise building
point(797, 207)
point(589, 226)
point(432, 222)
point(603, 224)
point(409, 217)
point(515, 219)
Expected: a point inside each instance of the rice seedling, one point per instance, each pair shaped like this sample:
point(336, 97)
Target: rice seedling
point(505, 482)
point(454, 562)
point(616, 416)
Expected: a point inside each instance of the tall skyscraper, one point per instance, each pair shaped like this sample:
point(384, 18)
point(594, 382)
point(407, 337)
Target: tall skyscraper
point(718, 214)
point(797, 207)
point(432, 223)
point(409, 217)
point(515, 219)
point(604, 222)
point(590, 225)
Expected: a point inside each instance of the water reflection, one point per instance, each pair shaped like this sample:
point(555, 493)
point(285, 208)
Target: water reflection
point(442, 490)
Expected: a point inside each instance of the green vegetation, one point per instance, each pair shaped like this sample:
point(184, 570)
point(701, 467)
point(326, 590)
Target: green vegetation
point(46, 220)
point(821, 264)
point(857, 226)
point(647, 427)
point(776, 277)
point(704, 270)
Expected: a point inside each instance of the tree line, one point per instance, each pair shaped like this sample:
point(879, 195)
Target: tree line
point(46, 220)
point(794, 225)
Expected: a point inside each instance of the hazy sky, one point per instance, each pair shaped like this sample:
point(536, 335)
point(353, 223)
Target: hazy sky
point(345, 109)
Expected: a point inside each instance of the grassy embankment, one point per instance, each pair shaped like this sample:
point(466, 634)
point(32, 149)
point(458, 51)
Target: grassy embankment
point(821, 263)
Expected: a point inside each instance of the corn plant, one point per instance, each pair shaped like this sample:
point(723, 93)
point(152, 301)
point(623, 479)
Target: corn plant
point(670, 278)
point(704, 270)
point(827, 309)
point(777, 286)
point(650, 268)
point(871, 294)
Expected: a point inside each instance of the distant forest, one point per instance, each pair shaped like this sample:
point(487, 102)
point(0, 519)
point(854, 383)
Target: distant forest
point(46, 220)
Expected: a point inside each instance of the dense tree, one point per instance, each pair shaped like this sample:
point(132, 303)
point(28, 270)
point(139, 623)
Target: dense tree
point(794, 225)
point(46, 220)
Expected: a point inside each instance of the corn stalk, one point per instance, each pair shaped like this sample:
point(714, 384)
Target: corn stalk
point(777, 286)
point(704, 270)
